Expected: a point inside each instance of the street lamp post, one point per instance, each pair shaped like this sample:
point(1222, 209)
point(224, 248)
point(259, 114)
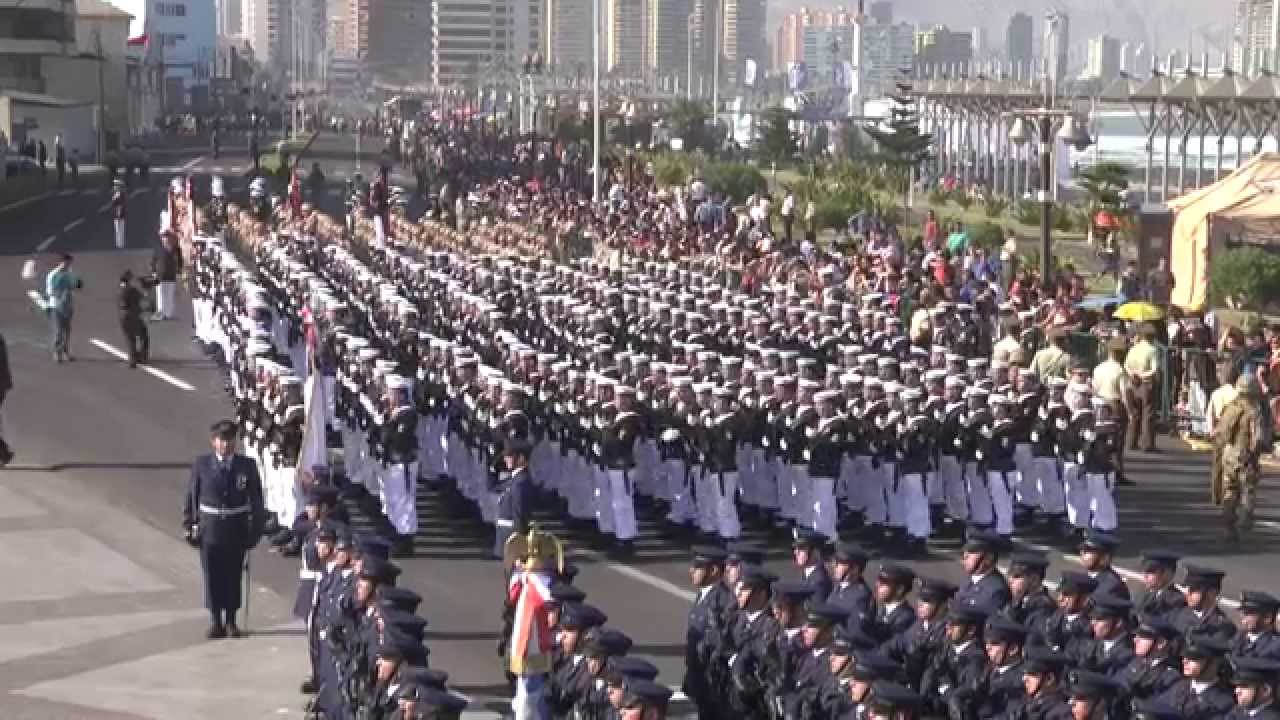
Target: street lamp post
point(1074, 134)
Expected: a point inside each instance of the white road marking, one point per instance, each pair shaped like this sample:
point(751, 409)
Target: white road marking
point(638, 575)
point(72, 225)
point(44, 245)
point(154, 372)
point(191, 164)
point(105, 208)
point(24, 203)
point(138, 191)
point(65, 193)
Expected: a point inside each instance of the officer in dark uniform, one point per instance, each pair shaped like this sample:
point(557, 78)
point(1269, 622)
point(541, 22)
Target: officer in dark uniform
point(1257, 637)
point(1030, 604)
point(986, 587)
point(1112, 647)
point(915, 647)
point(223, 513)
point(1202, 614)
point(1096, 551)
point(954, 675)
point(1044, 679)
point(1202, 692)
point(850, 590)
point(1067, 629)
point(703, 632)
point(1255, 682)
point(806, 552)
point(893, 614)
point(513, 494)
point(1161, 596)
point(752, 636)
point(1002, 688)
point(1154, 668)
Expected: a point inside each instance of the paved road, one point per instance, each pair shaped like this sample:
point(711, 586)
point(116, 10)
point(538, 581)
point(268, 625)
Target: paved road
point(102, 615)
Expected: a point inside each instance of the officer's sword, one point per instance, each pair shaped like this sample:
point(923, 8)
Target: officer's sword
point(248, 590)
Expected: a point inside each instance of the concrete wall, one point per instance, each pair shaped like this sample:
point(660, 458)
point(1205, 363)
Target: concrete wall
point(20, 120)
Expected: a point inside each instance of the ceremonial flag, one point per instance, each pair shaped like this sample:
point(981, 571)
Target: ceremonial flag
point(314, 450)
point(531, 636)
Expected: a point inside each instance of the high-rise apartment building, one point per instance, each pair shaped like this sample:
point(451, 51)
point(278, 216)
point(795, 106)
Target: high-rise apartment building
point(1103, 62)
point(667, 39)
point(229, 14)
point(1257, 36)
point(470, 36)
point(1019, 45)
point(742, 40)
point(880, 13)
point(267, 29)
point(627, 37)
point(569, 37)
point(1057, 40)
point(888, 51)
point(942, 49)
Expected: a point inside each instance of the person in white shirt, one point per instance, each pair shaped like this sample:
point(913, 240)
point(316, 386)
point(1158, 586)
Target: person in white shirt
point(788, 213)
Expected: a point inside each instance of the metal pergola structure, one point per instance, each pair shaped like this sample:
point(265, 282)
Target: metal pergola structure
point(970, 119)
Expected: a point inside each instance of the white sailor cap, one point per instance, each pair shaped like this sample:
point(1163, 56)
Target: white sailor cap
point(397, 382)
point(1000, 399)
point(257, 347)
point(955, 381)
point(681, 381)
point(826, 396)
point(975, 363)
point(385, 366)
point(1080, 388)
point(865, 358)
point(851, 379)
point(1098, 402)
point(1000, 365)
point(935, 375)
point(369, 353)
point(723, 391)
point(1057, 382)
point(356, 342)
point(873, 382)
point(912, 394)
point(977, 391)
point(892, 387)
point(290, 380)
point(886, 361)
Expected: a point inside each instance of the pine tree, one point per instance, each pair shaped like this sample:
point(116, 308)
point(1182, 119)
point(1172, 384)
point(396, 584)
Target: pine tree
point(902, 145)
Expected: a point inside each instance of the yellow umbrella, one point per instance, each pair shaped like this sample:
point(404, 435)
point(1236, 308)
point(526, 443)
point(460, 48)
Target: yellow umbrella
point(1138, 312)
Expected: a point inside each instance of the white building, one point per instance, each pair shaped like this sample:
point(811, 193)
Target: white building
point(1257, 35)
point(667, 39)
point(627, 39)
point(1057, 40)
point(472, 37)
point(568, 36)
point(887, 51)
point(1103, 62)
point(267, 30)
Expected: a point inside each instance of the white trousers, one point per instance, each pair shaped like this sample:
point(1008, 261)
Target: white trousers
point(579, 487)
point(875, 493)
point(621, 504)
point(1000, 488)
point(677, 478)
point(915, 502)
point(951, 478)
point(1077, 495)
point(728, 527)
point(119, 228)
point(823, 509)
point(706, 498)
point(801, 493)
point(164, 299)
point(1050, 482)
point(975, 483)
point(602, 499)
point(400, 496)
point(1026, 490)
point(1102, 503)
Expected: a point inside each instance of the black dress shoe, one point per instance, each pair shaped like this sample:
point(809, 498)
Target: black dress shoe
point(309, 687)
point(234, 630)
point(216, 632)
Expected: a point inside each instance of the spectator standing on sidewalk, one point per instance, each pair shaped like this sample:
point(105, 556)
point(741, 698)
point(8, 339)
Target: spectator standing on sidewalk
point(166, 265)
point(42, 155)
point(119, 209)
point(1143, 365)
point(73, 162)
point(59, 284)
point(60, 159)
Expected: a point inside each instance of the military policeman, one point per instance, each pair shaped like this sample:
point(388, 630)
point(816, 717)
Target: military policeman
point(223, 513)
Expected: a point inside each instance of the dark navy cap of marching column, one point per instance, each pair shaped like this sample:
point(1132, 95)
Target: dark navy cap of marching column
point(985, 540)
point(426, 677)
point(1159, 559)
point(968, 614)
point(756, 577)
point(373, 546)
point(1004, 630)
point(1258, 602)
point(704, 555)
point(407, 623)
point(896, 574)
point(851, 552)
point(870, 666)
point(1106, 605)
point(1154, 626)
point(646, 692)
point(1076, 583)
point(891, 696)
point(745, 553)
point(1041, 659)
point(322, 495)
point(1085, 684)
point(804, 537)
point(792, 591)
point(399, 598)
point(1200, 646)
point(379, 570)
point(854, 637)
point(566, 593)
point(1024, 560)
point(1202, 577)
point(626, 668)
point(1099, 540)
point(1254, 670)
point(607, 641)
point(933, 590)
point(579, 616)
point(822, 614)
point(223, 428)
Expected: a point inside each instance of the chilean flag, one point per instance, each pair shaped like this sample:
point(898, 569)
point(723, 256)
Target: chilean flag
point(531, 636)
point(139, 40)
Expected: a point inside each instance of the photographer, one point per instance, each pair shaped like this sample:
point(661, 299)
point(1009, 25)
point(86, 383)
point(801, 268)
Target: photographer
point(58, 286)
point(136, 339)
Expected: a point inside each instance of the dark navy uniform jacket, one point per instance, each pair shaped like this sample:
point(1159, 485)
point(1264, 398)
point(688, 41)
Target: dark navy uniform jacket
point(1264, 645)
point(991, 593)
point(513, 499)
point(226, 500)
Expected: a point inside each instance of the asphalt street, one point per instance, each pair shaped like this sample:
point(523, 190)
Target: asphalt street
point(90, 512)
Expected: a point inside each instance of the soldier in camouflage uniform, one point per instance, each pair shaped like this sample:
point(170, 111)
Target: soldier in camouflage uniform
point(1239, 441)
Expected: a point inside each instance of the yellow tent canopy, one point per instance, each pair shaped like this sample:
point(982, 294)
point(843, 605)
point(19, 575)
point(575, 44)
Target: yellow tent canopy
point(1250, 195)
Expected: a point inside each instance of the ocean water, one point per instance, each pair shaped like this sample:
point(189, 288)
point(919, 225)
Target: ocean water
point(1121, 137)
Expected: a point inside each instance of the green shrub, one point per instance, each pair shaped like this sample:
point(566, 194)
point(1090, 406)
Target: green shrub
point(736, 180)
point(1245, 278)
point(994, 207)
point(1027, 212)
point(1065, 219)
point(937, 197)
point(672, 169)
point(986, 235)
point(962, 199)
